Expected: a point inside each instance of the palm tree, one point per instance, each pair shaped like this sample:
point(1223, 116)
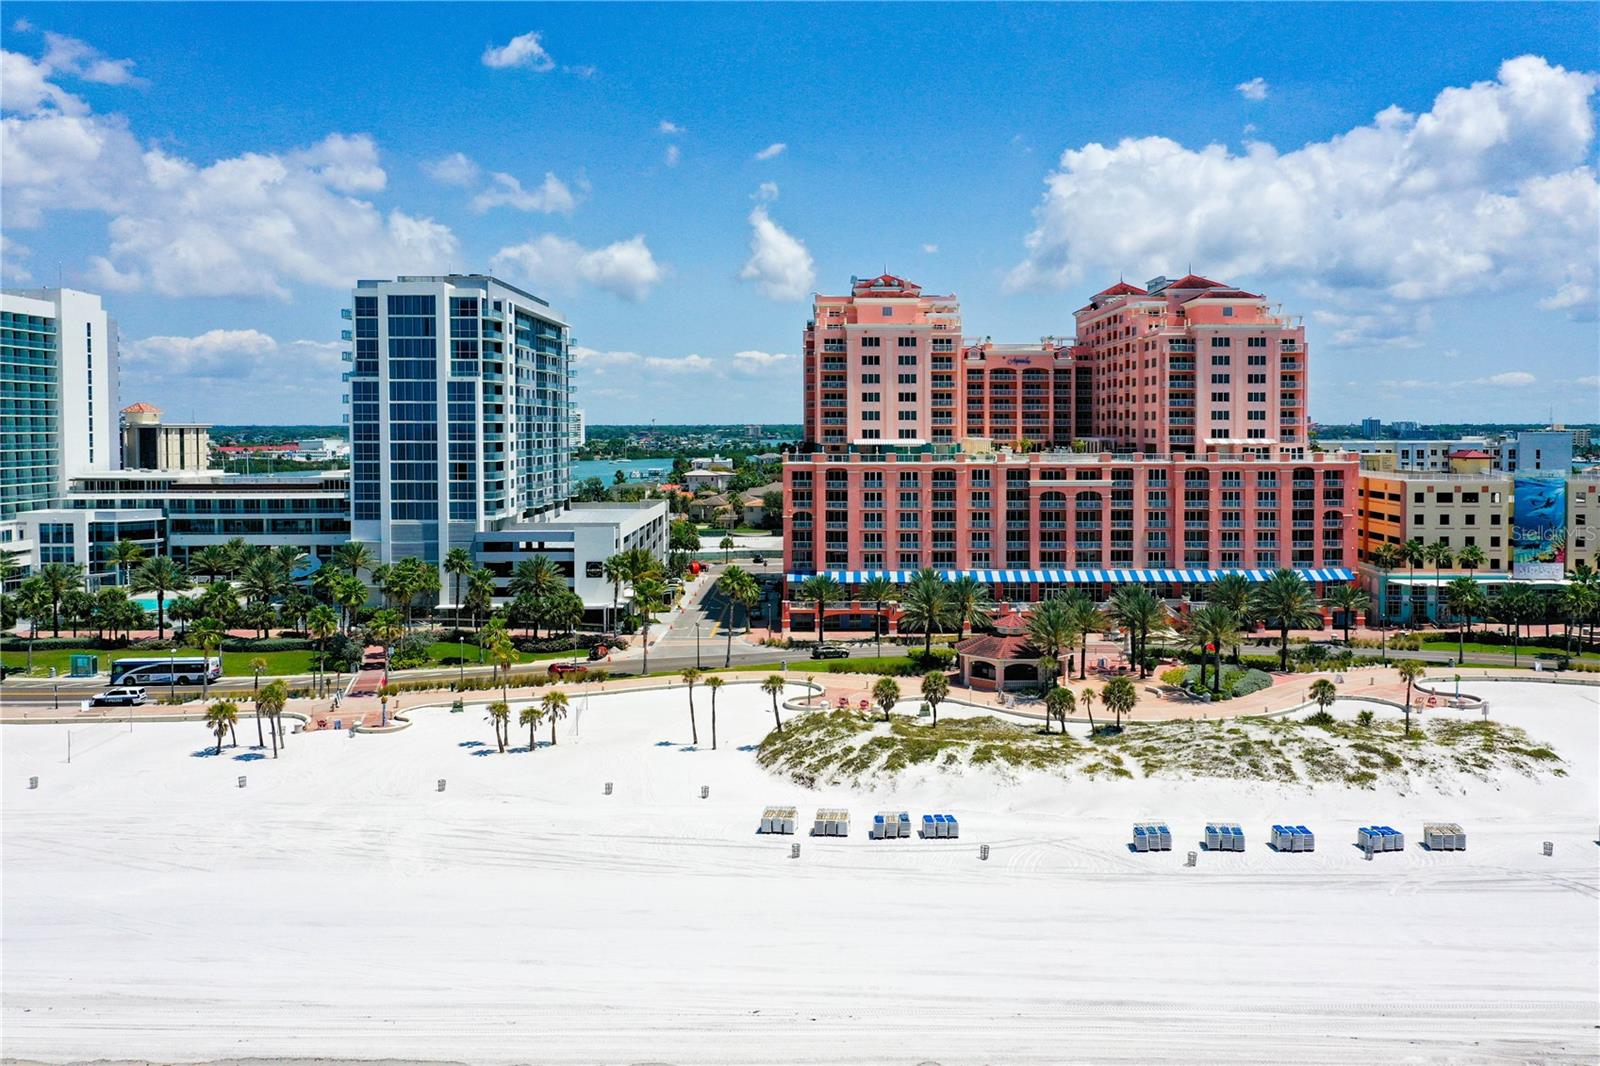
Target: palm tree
point(748, 595)
point(321, 623)
point(773, 686)
point(56, 580)
point(1439, 556)
point(729, 585)
point(212, 561)
point(1285, 600)
point(531, 716)
point(123, 554)
point(458, 564)
point(1050, 631)
point(886, 693)
point(563, 610)
point(1410, 670)
point(1119, 695)
point(1086, 697)
point(1514, 606)
point(220, 719)
point(270, 701)
point(503, 654)
point(1384, 558)
point(1414, 554)
point(386, 628)
point(535, 576)
point(821, 590)
point(207, 635)
point(500, 718)
point(712, 685)
point(925, 607)
point(1471, 558)
point(1233, 591)
point(480, 593)
point(1465, 599)
point(1323, 693)
point(1083, 617)
point(258, 666)
point(1058, 704)
point(690, 676)
point(726, 544)
point(1347, 599)
point(647, 592)
point(355, 557)
point(615, 570)
point(554, 706)
point(879, 591)
point(935, 688)
point(1212, 628)
point(1139, 612)
point(970, 600)
point(350, 593)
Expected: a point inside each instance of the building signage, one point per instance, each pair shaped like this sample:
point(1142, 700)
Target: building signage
point(1539, 528)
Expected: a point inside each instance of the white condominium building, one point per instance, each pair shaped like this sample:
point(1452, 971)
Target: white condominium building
point(460, 394)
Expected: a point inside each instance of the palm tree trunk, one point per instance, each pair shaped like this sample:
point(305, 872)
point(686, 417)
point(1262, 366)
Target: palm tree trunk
point(530, 734)
point(261, 741)
point(694, 730)
point(727, 658)
point(713, 720)
point(1283, 649)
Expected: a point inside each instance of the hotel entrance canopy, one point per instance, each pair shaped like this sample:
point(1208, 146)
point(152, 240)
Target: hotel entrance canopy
point(1076, 577)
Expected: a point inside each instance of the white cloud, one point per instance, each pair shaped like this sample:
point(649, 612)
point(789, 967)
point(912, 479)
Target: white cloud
point(674, 153)
point(754, 362)
point(1511, 378)
point(772, 151)
point(1592, 381)
point(1254, 89)
point(779, 263)
point(552, 195)
point(523, 50)
point(1493, 186)
point(68, 55)
point(454, 169)
point(250, 224)
point(25, 87)
point(594, 361)
point(766, 192)
point(669, 128)
point(11, 256)
point(214, 351)
point(624, 268)
point(930, 249)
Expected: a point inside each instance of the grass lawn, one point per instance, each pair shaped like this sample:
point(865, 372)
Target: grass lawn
point(234, 663)
point(1527, 649)
point(711, 536)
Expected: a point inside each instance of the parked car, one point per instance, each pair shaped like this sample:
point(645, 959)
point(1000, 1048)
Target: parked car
point(559, 669)
point(758, 560)
point(598, 652)
point(120, 697)
point(830, 651)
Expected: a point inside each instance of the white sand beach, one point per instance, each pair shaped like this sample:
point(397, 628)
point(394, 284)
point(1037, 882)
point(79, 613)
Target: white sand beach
point(340, 906)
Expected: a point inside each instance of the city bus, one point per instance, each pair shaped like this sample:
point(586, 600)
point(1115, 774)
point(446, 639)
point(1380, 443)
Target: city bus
point(179, 670)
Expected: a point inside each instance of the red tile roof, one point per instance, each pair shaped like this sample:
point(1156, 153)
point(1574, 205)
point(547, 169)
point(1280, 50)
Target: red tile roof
point(141, 408)
point(984, 646)
point(1121, 288)
point(1469, 453)
point(1195, 281)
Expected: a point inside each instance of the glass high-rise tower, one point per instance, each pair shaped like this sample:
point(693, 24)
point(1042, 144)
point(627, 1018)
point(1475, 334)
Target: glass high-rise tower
point(460, 394)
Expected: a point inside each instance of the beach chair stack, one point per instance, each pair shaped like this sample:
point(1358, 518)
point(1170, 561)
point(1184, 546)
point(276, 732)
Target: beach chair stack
point(1293, 838)
point(831, 822)
point(1444, 836)
point(1151, 836)
point(778, 820)
point(1373, 838)
point(1224, 836)
point(940, 827)
point(891, 825)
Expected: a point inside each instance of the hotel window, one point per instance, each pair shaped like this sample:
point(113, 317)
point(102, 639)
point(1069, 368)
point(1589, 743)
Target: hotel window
point(888, 312)
point(906, 342)
point(1221, 342)
point(871, 342)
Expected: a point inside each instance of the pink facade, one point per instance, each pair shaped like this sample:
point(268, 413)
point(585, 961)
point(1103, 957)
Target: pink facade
point(1169, 435)
point(1062, 510)
point(880, 364)
point(1191, 366)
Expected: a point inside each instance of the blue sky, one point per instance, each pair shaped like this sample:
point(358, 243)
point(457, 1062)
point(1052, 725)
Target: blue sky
point(1418, 181)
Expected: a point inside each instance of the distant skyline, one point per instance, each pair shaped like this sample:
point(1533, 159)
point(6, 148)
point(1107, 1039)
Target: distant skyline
point(1418, 181)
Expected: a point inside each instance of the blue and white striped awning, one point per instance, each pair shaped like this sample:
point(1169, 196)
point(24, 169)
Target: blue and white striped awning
point(1078, 577)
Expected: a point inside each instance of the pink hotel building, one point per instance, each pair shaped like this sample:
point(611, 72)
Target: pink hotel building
point(1165, 445)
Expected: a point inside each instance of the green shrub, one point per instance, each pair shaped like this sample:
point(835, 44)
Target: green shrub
point(1175, 676)
point(1248, 681)
point(1321, 718)
point(1365, 719)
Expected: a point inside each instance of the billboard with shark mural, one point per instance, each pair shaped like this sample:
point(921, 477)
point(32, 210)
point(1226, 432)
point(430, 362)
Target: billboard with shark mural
point(1539, 528)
